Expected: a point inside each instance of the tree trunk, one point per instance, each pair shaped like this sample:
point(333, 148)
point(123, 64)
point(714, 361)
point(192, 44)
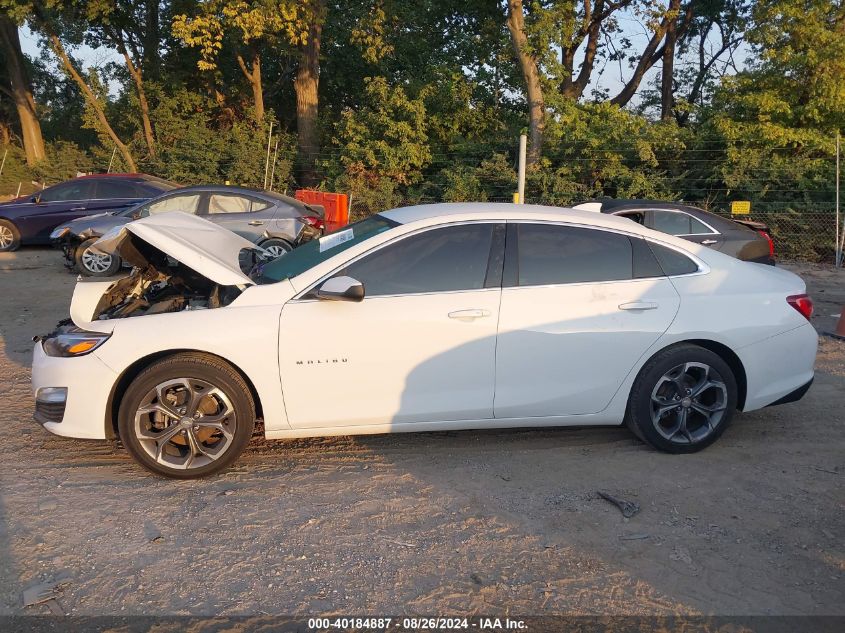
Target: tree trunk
point(33, 142)
point(142, 100)
point(151, 58)
point(254, 78)
point(667, 73)
point(531, 75)
point(91, 98)
point(306, 86)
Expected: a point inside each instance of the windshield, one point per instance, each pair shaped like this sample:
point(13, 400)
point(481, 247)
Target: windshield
point(317, 251)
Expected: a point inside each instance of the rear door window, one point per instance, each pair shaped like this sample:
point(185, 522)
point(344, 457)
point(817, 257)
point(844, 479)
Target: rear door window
point(671, 222)
point(108, 189)
point(551, 254)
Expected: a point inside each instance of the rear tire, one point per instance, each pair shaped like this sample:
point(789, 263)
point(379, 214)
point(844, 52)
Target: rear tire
point(186, 416)
point(92, 264)
point(682, 400)
point(10, 237)
point(277, 247)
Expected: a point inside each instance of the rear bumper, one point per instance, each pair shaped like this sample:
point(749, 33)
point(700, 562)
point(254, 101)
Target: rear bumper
point(794, 396)
point(779, 367)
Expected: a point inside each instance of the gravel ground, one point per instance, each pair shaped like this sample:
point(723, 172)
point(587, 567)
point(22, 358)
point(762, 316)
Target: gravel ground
point(436, 523)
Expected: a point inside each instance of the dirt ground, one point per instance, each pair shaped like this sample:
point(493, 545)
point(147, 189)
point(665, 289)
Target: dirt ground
point(439, 523)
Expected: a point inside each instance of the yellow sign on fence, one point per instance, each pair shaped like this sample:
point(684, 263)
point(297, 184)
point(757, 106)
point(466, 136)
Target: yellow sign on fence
point(740, 207)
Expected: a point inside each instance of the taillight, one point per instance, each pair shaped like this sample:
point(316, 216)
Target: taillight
point(802, 303)
point(771, 243)
point(313, 220)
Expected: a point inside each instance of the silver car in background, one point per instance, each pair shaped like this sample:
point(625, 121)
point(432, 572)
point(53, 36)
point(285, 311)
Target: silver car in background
point(276, 222)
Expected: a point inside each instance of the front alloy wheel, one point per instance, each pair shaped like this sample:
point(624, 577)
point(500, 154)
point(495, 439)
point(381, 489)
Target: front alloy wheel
point(187, 415)
point(682, 400)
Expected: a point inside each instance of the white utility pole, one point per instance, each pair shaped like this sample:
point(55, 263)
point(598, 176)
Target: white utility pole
point(3, 164)
point(267, 161)
point(521, 183)
point(273, 170)
point(111, 160)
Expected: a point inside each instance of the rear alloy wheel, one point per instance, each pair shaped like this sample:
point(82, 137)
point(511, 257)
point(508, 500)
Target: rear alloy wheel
point(10, 237)
point(187, 416)
point(682, 400)
point(93, 264)
point(276, 247)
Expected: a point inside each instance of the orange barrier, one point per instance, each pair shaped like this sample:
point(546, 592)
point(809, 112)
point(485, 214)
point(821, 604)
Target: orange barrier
point(335, 204)
point(840, 326)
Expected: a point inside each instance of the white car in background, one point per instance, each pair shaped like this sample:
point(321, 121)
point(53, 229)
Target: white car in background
point(426, 318)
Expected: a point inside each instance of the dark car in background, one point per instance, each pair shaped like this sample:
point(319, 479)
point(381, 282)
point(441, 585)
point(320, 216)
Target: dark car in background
point(276, 222)
point(31, 219)
point(744, 239)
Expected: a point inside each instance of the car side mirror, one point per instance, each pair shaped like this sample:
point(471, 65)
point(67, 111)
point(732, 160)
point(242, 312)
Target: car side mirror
point(35, 199)
point(341, 289)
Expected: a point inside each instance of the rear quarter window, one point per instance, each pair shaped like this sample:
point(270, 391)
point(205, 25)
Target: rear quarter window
point(672, 262)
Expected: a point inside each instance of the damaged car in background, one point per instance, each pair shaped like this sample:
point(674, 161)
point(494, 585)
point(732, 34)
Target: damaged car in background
point(276, 222)
point(427, 318)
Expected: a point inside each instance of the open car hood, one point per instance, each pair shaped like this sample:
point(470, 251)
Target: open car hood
point(202, 246)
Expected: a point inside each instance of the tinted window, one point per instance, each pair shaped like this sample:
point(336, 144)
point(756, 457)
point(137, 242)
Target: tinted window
point(440, 260)
point(697, 227)
point(73, 190)
point(222, 203)
point(673, 262)
point(671, 222)
point(116, 189)
point(551, 254)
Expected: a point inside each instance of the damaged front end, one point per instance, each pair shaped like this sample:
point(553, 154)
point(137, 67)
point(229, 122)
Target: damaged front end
point(177, 264)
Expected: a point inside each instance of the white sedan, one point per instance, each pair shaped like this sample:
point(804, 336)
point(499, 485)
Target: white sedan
point(426, 318)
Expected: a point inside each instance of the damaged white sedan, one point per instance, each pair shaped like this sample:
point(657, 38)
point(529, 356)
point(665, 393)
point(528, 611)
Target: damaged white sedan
point(437, 317)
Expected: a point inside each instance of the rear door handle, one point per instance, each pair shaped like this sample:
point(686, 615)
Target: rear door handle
point(709, 242)
point(78, 209)
point(256, 223)
point(469, 315)
point(638, 305)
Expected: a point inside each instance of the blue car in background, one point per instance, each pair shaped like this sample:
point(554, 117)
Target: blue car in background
point(31, 219)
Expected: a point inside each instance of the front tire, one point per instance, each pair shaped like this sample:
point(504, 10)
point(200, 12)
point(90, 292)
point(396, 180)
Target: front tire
point(682, 400)
point(10, 237)
point(92, 264)
point(186, 416)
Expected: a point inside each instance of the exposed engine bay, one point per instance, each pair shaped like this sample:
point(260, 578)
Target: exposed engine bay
point(160, 284)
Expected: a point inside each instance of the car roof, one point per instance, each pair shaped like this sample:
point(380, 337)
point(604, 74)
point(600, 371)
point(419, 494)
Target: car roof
point(273, 195)
point(505, 211)
point(133, 176)
point(716, 221)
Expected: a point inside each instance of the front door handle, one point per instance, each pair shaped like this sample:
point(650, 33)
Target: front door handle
point(78, 209)
point(708, 242)
point(638, 305)
point(469, 315)
point(256, 223)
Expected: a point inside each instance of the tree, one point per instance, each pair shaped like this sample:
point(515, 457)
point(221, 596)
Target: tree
point(306, 85)
point(250, 26)
point(531, 75)
point(20, 90)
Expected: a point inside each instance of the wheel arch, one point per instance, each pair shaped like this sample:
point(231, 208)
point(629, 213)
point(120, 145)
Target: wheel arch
point(726, 354)
point(130, 373)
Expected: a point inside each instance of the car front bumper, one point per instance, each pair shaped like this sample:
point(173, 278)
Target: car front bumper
point(88, 382)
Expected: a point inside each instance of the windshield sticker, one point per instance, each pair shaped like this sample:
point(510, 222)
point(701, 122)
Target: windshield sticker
point(330, 241)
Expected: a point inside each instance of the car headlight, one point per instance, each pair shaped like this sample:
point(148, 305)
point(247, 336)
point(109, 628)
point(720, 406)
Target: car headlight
point(75, 343)
point(59, 232)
